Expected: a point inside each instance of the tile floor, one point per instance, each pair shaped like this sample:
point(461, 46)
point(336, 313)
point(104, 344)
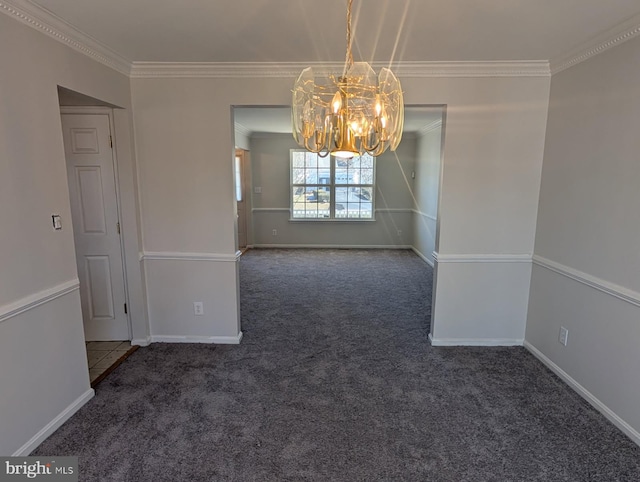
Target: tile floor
point(102, 354)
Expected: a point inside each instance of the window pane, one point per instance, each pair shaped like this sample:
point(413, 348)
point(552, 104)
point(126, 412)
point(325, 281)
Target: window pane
point(311, 202)
point(342, 175)
point(324, 162)
point(366, 161)
point(238, 169)
point(298, 158)
point(297, 176)
point(366, 176)
point(342, 198)
point(354, 162)
point(311, 159)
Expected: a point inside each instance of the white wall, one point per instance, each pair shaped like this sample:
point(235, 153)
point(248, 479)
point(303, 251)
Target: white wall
point(492, 158)
point(270, 208)
point(43, 365)
point(587, 260)
point(426, 190)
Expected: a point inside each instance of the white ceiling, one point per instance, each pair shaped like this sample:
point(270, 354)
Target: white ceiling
point(314, 30)
point(300, 31)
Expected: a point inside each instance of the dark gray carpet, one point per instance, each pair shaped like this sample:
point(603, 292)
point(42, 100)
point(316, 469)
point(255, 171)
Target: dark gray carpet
point(335, 380)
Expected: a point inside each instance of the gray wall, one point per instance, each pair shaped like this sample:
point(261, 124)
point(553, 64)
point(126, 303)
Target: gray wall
point(587, 252)
point(393, 200)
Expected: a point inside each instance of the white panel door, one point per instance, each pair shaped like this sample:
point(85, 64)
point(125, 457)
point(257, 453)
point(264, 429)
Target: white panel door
point(94, 209)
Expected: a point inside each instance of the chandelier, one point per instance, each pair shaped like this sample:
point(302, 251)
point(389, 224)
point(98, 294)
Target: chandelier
point(350, 114)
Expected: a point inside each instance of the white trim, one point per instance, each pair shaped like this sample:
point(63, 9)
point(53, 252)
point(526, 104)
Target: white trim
point(620, 292)
point(141, 341)
point(429, 127)
point(335, 246)
point(52, 426)
point(46, 22)
point(393, 210)
point(475, 341)
point(428, 216)
point(617, 35)
point(424, 258)
point(180, 256)
point(534, 68)
point(586, 394)
point(220, 340)
point(29, 302)
point(287, 210)
point(270, 210)
point(482, 258)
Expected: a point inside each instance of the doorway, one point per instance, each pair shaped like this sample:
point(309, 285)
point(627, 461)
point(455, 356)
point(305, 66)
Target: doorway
point(93, 193)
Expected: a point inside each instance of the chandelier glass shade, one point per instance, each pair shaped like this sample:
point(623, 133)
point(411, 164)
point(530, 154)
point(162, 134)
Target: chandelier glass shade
point(349, 114)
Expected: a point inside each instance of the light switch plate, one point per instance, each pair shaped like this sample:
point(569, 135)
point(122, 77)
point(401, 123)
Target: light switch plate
point(57, 222)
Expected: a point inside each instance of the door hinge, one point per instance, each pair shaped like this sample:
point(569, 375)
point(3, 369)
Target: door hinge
point(111, 142)
point(118, 227)
point(125, 309)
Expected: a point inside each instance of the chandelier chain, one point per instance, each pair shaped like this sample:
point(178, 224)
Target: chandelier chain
point(349, 59)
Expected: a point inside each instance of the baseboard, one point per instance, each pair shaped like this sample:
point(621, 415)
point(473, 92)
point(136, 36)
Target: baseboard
point(474, 341)
point(424, 258)
point(628, 430)
point(141, 341)
point(334, 246)
point(52, 426)
point(219, 340)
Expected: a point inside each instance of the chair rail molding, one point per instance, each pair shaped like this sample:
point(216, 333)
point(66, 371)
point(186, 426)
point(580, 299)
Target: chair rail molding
point(482, 258)
point(625, 294)
point(36, 299)
point(181, 256)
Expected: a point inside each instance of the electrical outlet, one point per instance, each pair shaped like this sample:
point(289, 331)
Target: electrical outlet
point(257, 190)
point(564, 335)
point(274, 232)
point(198, 308)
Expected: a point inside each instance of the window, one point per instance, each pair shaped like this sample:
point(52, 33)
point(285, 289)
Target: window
point(331, 188)
point(238, 169)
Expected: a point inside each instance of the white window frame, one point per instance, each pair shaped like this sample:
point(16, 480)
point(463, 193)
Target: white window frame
point(332, 189)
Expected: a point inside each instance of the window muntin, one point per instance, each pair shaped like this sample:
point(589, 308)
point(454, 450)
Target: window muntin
point(332, 188)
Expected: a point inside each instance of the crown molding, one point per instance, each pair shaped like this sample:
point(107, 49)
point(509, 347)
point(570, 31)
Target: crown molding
point(292, 69)
point(46, 22)
point(615, 36)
